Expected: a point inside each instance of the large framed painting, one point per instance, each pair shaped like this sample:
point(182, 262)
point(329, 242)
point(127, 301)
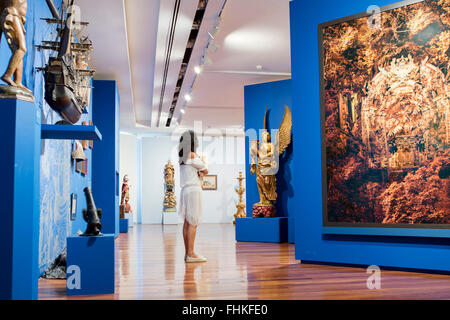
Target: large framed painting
point(385, 104)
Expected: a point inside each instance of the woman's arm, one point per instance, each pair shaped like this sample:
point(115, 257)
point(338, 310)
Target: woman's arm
point(197, 163)
point(202, 173)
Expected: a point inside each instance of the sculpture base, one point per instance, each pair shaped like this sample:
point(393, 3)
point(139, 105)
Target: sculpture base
point(260, 211)
point(123, 225)
point(240, 213)
point(273, 230)
point(19, 230)
point(90, 265)
point(170, 217)
point(170, 210)
point(16, 93)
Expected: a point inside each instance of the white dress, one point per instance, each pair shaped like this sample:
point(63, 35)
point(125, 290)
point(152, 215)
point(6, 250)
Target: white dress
point(191, 208)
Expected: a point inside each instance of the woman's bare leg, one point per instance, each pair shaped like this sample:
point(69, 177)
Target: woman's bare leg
point(185, 236)
point(191, 231)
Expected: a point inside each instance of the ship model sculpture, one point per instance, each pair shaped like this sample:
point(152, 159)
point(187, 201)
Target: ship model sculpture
point(67, 74)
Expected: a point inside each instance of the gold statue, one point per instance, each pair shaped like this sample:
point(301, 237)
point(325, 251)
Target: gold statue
point(170, 201)
point(12, 25)
point(264, 161)
point(240, 213)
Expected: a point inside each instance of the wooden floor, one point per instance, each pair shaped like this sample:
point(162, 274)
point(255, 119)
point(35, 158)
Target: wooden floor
point(149, 265)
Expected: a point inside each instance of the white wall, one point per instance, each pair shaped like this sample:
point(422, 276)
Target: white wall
point(156, 151)
point(226, 159)
point(129, 163)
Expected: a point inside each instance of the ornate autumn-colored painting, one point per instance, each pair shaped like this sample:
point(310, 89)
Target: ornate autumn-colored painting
point(386, 116)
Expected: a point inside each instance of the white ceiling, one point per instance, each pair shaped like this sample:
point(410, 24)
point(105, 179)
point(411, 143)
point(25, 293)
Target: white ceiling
point(130, 38)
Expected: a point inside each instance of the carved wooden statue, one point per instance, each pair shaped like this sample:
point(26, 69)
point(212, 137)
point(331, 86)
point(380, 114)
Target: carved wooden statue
point(170, 201)
point(266, 164)
point(12, 26)
point(124, 205)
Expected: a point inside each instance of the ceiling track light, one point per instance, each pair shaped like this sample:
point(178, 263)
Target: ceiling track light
point(168, 53)
point(196, 24)
point(197, 69)
point(187, 97)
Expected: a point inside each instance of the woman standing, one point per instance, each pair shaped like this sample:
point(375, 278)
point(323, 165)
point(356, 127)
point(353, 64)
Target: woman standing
point(192, 169)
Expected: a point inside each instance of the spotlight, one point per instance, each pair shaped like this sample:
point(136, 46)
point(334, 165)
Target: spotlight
point(197, 70)
point(213, 47)
point(182, 111)
point(207, 61)
point(187, 97)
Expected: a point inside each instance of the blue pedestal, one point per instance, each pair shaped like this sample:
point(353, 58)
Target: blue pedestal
point(262, 229)
point(291, 230)
point(19, 227)
point(90, 265)
point(105, 155)
point(123, 226)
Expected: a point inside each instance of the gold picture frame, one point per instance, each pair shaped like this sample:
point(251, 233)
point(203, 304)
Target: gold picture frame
point(209, 182)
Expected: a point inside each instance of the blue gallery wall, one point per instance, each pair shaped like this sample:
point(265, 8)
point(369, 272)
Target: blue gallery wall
point(58, 178)
point(274, 95)
point(310, 243)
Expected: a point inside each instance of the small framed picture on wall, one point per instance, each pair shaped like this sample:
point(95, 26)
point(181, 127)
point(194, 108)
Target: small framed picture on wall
point(84, 167)
point(78, 166)
point(209, 182)
point(73, 206)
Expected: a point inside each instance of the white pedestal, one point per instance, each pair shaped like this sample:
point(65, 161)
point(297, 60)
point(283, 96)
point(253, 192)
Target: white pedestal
point(170, 218)
point(130, 218)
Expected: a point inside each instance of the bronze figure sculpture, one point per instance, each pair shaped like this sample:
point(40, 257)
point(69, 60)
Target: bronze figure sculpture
point(264, 161)
point(92, 215)
point(12, 25)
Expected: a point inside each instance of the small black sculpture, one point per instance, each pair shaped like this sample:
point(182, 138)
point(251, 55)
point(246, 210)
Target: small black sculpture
point(92, 215)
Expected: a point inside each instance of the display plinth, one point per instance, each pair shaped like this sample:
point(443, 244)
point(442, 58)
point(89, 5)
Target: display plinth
point(291, 230)
point(262, 229)
point(19, 227)
point(123, 225)
point(90, 265)
point(170, 217)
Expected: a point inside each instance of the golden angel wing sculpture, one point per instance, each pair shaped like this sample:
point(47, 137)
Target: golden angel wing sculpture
point(265, 119)
point(283, 137)
point(267, 160)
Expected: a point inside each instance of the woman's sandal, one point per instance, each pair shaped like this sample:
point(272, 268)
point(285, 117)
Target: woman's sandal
point(188, 259)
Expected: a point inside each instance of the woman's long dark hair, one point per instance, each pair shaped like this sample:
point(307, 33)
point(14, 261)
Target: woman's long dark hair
point(188, 144)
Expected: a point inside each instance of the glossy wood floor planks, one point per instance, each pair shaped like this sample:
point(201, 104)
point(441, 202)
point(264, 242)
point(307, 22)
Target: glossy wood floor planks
point(149, 265)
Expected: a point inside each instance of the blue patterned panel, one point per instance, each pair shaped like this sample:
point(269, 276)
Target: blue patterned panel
point(55, 200)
